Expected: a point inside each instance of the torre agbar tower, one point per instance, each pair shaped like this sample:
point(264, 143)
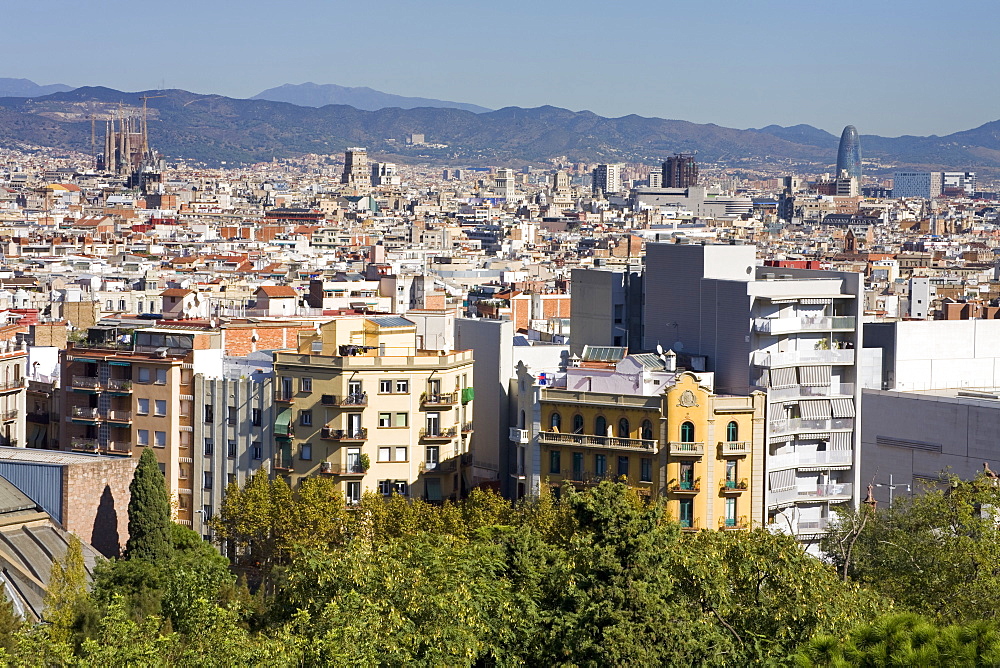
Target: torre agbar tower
point(849, 154)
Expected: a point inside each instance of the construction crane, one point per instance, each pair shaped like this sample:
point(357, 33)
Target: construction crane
point(145, 124)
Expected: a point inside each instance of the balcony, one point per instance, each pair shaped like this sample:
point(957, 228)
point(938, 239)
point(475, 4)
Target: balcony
point(686, 487)
point(467, 428)
point(118, 416)
point(283, 464)
point(284, 397)
point(344, 435)
point(689, 524)
point(84, 414)
point(447, 466)
point(586, 440)
point(86, 383)
point(519, 436)
point(12, 385)
point(815, 458)
point(828, 491)
point(588, 477)
point(442, 434)
point(733, 523)
point(807, 392)
point(763, 358)
point(686, 449)
point(436, 400)
point(734, 486)
point(84, 444)
point(118, 448)
point(812, 526)
point(358, 399)
point(8, 415)
point(119, 385)
point(39, 417)
point(336, 468)
point(734, 448)
point(798, 425)
point(804, 323)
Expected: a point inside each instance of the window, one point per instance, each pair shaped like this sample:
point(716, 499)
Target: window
point(730, 512)
point(206, 512)
point(258, 450)
point(385, 387)
point(600, 465)
point(646, 470)
point(432, 456)
point(400, 453)
point(163, 470)
point(209, 447)
point(600, 426)
point(121, 304)
point(623, 466)
point(110, 306)
point(401, 487)
point(209, 413)
point(160, 407)
point(687, 512)
point(161, 376)
point(353, 492)
point(306, 451)
point(619, 313)
point(208, 480)
point(183, 503)
point(160, 439)
point(433, 424)
point(402, 419)
point(144, 374)
point(142, 407)
point(385, 487)
point(305, 385)
point(255, 417)
point(555, 421)
point(623, 430)
point(554, 463)
point(731, 473)
point(354, 460)
point(231, 415)
point(231, 448)
point(354, 391)
point(686, 477)
point(402, 386)
point(230, 478)
point(143, 436)
point(578, 424)
point(687, 432)
point(385, 454)
point(647, 430)
point(577, 466)
point(306, 418)
point(385, 419)
point(185, 409)
point(732, 432)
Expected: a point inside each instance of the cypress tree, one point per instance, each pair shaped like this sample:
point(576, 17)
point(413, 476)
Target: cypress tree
point(148, 513)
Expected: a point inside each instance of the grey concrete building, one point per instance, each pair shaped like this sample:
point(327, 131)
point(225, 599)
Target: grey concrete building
point(606, 308)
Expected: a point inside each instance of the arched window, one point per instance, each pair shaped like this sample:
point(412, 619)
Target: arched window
point(623, 431)
point(600, 426)
point(577, 424)
point(647, 430)
point(732, 432)
point(555, 422)
point(687, 432)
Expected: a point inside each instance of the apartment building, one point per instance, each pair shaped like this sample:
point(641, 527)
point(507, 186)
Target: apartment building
point(359, 401)
point(792, 333)
point(125, 389)
point(13, 390)
point(640, 419)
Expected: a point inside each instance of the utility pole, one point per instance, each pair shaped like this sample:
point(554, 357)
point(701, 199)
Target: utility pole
point(892, 488)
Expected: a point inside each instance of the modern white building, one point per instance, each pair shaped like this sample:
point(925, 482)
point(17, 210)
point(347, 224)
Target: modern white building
point(607, 179)
point(792, 333)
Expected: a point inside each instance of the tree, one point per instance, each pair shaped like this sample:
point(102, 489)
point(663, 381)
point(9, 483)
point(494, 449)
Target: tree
point(148, 512)
point(936, 553)
point(66, 604)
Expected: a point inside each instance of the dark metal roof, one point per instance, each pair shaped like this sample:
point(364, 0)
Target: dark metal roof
point(391, 321)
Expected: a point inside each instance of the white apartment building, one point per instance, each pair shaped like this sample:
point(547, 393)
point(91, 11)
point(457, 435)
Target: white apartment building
point(793, 333)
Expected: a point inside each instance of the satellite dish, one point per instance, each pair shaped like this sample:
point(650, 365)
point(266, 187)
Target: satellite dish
point(659, 349)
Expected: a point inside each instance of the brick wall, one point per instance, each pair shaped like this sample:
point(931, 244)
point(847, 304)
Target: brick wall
point(95, 502)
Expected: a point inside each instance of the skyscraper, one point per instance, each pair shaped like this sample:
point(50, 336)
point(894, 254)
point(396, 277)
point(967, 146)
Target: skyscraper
point(607, 179)
point(680, 171)
point(356, 170)
point(849, 154)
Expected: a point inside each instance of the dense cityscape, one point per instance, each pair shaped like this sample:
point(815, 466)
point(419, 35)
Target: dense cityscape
point(250, 377)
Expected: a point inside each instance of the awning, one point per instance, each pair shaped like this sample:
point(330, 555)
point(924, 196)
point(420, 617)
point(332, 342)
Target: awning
point(843, 408)
point(116, 363)
point(782, 377)
point(433, 487)
point(781, 480)
point(816, 300)
point(815, 376)
point(815, 409)
point(282, 423)
point(841, 440)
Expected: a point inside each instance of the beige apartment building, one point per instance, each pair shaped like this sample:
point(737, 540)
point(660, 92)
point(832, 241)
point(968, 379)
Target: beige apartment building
point(359, 401)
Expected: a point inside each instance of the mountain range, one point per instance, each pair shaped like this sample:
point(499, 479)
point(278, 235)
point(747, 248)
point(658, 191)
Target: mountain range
point(28, 88)
point(214, 128)
point(367, 99)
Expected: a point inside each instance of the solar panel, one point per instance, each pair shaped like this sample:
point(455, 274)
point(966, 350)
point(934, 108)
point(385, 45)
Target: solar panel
point(391, 321)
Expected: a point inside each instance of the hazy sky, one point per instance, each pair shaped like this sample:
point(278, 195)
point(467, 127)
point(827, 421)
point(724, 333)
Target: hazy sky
point(889, 67)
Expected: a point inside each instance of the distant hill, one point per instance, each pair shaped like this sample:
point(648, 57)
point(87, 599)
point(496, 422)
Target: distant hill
point(27, 88)
point(214, 128)
point(368, 99)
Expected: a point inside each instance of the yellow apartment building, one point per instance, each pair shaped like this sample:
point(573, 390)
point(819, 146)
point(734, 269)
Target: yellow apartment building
point(700, 452)
point(358, 401)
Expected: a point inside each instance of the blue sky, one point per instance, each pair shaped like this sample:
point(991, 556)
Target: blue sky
point(888, 67)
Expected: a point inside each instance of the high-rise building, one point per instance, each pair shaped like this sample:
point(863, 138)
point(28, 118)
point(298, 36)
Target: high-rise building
point(958, 183)
point(680, 171)
point(849, 154)
point(792, 333)
point(607, 179)
point(916, 184)
point(606, 308)
point(385, 174)
point(356, 170)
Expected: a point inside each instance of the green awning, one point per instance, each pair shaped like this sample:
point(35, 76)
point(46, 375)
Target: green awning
point(433, 487)
point(283, 423)
point(115, 363)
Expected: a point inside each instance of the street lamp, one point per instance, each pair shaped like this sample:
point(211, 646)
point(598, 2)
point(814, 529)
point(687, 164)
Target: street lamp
point(892, 488)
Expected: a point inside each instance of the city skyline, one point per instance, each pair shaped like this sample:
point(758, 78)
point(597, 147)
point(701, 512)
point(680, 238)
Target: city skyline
point(784, 67)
